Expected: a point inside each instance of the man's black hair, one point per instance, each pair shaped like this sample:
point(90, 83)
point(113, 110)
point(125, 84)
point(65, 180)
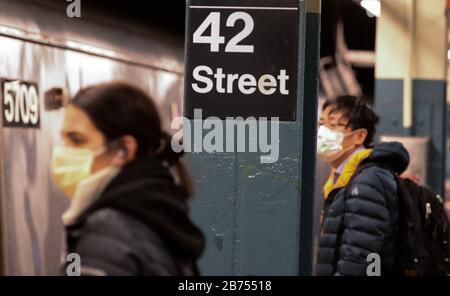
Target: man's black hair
point(328, 102)
point(359, 115)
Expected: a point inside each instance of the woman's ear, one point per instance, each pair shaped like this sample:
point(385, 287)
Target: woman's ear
point(127, 151)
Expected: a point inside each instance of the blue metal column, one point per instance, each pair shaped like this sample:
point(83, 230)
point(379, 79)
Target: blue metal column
point(312, 57)
point(256, 216)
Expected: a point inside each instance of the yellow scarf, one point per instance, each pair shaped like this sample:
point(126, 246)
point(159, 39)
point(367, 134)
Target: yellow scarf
point(347, 172)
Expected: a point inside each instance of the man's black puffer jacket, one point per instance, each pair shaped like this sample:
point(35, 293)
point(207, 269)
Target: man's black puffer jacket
point(139, 226)
point(370, 217)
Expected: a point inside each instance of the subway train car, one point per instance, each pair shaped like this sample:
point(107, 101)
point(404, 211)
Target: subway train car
point(45, 57)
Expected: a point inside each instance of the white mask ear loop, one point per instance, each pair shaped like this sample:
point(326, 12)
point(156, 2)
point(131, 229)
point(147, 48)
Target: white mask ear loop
point(104, 149)
point(99, 151)
point(120, 154)
point(351, 133)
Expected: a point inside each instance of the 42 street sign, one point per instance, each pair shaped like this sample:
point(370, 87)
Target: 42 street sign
point(242, 58)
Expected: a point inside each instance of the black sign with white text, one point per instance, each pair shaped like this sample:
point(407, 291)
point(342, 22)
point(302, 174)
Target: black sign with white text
point(20, 103)
point(242, 58)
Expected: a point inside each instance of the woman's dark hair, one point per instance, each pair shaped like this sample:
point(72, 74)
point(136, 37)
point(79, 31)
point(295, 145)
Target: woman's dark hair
point(118, 109)
point(359, 115)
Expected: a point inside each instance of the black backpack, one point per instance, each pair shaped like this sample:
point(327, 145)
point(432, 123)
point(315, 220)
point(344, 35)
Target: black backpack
point(424, 248)
point(424, 230)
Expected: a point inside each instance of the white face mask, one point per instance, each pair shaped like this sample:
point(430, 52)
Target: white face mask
point(328, 140)
point(329, 144)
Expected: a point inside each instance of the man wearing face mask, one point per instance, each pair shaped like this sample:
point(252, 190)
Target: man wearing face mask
point(360, 214)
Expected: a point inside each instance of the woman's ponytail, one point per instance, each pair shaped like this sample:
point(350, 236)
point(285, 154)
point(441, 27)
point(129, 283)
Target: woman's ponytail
point(173, 159)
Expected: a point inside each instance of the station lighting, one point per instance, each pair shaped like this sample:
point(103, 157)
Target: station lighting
point(373, 7)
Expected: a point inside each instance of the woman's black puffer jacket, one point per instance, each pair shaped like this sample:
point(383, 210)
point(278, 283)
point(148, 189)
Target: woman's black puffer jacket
point(139, 226)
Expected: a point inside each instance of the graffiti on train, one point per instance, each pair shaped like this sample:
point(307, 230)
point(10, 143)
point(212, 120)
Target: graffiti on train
point(20, 103)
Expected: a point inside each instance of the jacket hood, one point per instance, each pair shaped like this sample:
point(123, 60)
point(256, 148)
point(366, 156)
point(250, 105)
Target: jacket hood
point(390, 154)
point(145, 190)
